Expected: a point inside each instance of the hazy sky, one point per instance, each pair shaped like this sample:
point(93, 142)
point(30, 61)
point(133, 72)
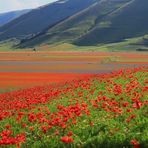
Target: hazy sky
point(10, 5)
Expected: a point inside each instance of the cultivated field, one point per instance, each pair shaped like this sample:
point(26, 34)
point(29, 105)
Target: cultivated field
point(27, 69)
point(73, 99)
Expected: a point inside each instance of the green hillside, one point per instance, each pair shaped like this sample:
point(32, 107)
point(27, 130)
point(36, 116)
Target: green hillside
point(139, 44)
point(106, 21)
point(130, 20)
point(38, 20)
point(100, 23)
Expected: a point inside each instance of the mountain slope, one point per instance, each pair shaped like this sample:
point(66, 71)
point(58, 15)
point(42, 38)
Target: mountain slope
point(129, 21)
point(103, 22)
point(9, 16)
point(42, 18)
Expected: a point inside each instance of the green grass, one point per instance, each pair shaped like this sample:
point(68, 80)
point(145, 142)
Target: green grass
point(5, 90)
point(128, 45)
point(131, 44)
point(6, 46)
point(100, 112)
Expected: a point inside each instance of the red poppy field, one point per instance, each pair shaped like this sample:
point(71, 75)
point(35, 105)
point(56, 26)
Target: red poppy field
point(28, 69)
point(71, 99)
point(105, 110)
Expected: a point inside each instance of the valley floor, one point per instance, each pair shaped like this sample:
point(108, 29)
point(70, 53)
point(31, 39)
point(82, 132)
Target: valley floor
point(28, 69)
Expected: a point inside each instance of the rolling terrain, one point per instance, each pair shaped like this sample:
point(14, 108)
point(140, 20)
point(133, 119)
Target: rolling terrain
point(106, 21)
point(83, 23)
point(128, 45)
point(38, 20)
point(100, 24)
